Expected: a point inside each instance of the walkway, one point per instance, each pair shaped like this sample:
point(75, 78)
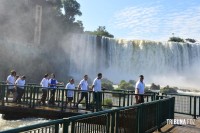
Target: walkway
point(182, 128)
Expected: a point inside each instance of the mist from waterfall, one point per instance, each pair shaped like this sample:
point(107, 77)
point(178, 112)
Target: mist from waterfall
point(167, 63)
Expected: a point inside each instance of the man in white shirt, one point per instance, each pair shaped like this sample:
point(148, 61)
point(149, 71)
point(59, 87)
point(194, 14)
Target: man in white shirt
point(20, 82)
point(96, 86)
point(11, 82)
point(139, 89)
point(83, 86)
point(44, 83)
point(70, 92)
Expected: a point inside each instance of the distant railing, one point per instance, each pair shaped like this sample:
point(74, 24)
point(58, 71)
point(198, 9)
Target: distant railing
point(186, 104)
point(139, 118)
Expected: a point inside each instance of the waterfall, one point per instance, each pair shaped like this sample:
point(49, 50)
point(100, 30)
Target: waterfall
point(123, 59)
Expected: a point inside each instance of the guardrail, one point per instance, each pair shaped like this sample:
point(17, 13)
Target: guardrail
point(139, 118)
point(32, 96)
point(186, 104)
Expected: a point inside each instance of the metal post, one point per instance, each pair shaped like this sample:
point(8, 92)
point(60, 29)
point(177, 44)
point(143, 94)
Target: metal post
point(62, 100)
point(195, 107)
point(190, 105)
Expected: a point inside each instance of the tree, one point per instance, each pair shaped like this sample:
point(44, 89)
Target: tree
point(78, 26)
point(71, 8)
point(175, 39)
point(107, 84)
point(101, 31)
point(168, 89)
point(125, 85)
point(190, 40)
point(154, 87)
point(133, 82)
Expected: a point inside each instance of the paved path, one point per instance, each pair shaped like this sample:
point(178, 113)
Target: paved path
point(188, 128)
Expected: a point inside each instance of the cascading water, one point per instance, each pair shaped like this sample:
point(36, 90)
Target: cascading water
point(165, 62)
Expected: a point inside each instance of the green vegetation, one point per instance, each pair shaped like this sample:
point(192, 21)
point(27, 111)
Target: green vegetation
point(147, 89)
point(133, 82)
point(107, 84)
point(108, 102)
point(176, 39)
point(168, 89)
point(190, 40)
point(126, 85)
point(101, 31)
point(154, 87)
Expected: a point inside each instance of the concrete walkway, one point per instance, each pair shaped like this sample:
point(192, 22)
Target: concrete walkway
point(191, 126)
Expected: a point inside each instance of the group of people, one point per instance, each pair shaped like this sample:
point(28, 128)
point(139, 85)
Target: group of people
point(83, 87)
point(16, 86)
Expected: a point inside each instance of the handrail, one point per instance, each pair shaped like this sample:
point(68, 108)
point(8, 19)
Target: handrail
point(111, 119)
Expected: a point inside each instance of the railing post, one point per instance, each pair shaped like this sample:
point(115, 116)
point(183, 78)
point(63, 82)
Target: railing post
point(56, 128)
point(158, 115)
point(3, 95)
point(190, 105)
point(199, 105)
point(108, 123)
point(6, 94)
point(113, 122)
point(66, 125)
point(117, 119)
point(172, 107)
point(195, 104)
point(140, 119)
point(30, 101)
point(128, 95)
point(124, 98)
point(33, 99)
point(62, 104)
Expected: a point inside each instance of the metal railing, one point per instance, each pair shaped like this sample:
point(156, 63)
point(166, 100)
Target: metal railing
point(186, 104)
point(139, 118)
point(33, 93)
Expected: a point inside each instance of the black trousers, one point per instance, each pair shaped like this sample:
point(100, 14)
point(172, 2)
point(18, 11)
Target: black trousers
point(20, 92)
point(84, 94)
point(52, 96)
point(98, 100)
point(44, 95)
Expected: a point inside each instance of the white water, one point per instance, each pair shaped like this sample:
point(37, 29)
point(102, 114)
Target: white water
point(161, 63)
point(10, 124)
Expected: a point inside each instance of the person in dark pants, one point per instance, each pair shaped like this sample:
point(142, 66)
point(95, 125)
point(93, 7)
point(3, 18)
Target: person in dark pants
point(52, 84)
point(96, 86)
point(139, 89)
point(83, 86)
point(11, 82)
point(20, 82)
point(70, 92)
point(44, 83)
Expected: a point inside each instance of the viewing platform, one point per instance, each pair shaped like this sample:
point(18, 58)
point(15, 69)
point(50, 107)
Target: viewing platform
point(30, 107)
point(176, 128)
point(119, 115)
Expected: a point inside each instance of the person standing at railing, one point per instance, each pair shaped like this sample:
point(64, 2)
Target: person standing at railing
point(96, 87)
point(84, 87)
point(70, 92)
point(11, 82)
point(139, 89)
point(52, 84)
point(20, 82)
point(44, 83)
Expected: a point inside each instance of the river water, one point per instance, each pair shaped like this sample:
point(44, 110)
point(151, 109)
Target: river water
point(10, 124)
